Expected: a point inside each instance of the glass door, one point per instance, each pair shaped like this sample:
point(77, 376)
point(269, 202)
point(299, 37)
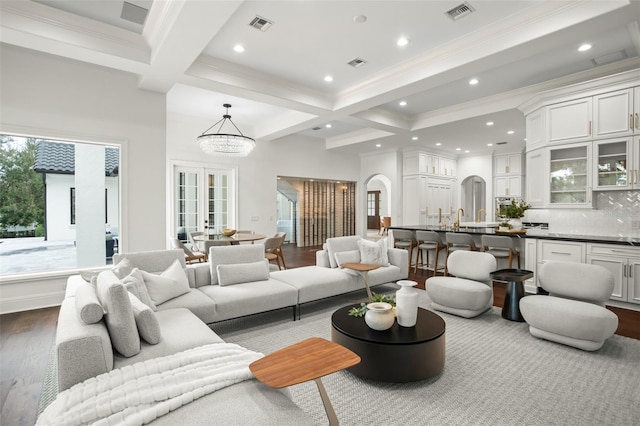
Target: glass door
point(569, 176)
point(612, 162)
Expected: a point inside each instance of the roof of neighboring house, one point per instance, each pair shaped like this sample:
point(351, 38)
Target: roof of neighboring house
point(59, 158)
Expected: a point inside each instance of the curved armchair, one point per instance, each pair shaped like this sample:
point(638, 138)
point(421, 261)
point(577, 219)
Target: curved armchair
point(273, 249)
point(470, 292)
point(573, 313)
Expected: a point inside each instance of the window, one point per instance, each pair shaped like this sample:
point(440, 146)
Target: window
point(50, 223)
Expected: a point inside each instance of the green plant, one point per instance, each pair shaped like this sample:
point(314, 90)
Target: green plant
point(504, 224)
point(514, 210)
point(362, 309)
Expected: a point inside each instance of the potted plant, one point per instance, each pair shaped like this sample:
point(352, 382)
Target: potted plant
point(504, 226)
point(514, 211)
point(362, 309)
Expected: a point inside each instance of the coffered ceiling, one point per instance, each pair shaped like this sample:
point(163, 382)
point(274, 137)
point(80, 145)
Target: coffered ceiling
point(188, 49)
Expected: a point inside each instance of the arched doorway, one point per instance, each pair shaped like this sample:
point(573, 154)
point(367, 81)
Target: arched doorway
point(378, 202)
point(473, 196)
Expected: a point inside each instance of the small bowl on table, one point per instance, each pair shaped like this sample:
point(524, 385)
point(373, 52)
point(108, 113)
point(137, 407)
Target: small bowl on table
point(228, 232)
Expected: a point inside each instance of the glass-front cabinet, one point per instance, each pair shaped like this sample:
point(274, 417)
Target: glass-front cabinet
point(570, 175)
point(613, 164)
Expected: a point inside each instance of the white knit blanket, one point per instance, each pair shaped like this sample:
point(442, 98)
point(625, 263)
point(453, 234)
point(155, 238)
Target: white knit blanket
point(139, 393)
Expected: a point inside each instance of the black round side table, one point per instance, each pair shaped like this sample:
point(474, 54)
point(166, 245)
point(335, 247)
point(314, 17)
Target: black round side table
point(515, 291)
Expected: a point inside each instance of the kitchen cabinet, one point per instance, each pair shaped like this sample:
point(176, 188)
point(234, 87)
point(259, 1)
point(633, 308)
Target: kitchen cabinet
point(537, 179)
point(416, 162)
point(507, 186)
point(530, 264)
point(507, 164)
point(616, 163)
point(569, 121)
point(507, 172)
point(439, 197)
point(636, 110)
point(624, 264)
point(535, 129)
point(570, 175)
point(561, 251)
point(613, 114)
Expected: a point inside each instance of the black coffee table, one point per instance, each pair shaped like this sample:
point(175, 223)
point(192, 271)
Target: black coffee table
point(399, 354)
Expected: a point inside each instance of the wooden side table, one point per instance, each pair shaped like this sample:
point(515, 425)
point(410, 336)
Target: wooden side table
point(307, 360)
point(363, 269)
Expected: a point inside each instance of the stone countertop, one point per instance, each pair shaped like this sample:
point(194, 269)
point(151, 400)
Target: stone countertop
point(541, 234)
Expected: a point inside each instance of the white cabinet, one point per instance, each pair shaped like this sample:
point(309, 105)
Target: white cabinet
point(569, 121)
point(624, 264)
point(530, 263)
point(636, 110)
point(613, 114)
point(507, 186)
point(537, 179)
point(570, 175)
point(614, 165)
point(507, 171)
point(535, 129)
point(439, 199)
point(561, 251)
point(507, 164)
point(414, 200)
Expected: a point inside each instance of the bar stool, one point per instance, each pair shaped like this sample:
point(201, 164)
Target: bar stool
point(404, 239)
point(457, 241)
point(501, 247)
point(427, 241)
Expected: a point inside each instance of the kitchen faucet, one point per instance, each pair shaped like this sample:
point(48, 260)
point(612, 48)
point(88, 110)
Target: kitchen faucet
point(480, 212)
point(457, 224)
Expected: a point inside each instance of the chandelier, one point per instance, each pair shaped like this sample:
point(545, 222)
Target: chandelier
point(225, 144)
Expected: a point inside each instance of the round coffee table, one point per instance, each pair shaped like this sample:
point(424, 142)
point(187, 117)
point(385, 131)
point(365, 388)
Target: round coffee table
point(399, 354)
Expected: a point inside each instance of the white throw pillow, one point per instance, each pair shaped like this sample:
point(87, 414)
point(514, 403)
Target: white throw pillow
point(374, 253)
point(123, 268)
point(146, 321)
point(349, 256)
point(87, 303)
point(239, 273)
point(134, 283)
point(170, 284)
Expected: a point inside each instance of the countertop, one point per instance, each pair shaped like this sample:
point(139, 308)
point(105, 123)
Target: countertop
point(541, 234)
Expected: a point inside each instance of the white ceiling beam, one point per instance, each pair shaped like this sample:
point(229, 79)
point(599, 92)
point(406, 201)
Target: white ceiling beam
point(357, 136)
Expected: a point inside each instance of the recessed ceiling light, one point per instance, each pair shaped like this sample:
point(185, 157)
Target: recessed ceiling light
point(584, 47)
point(458, 149)
point(402, 41)
point(378, 145)
point(402, 103)
point(489, 123)
point(328, 125)
point(438, 143)
point(510, 132)
point(414, 138)
point(238, 48)
point(359, 19)
point(328, 78)
point(489, 144)
point(466, 151)
point(473, 81)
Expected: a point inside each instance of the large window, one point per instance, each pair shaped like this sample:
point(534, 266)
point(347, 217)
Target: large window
point(59, 204)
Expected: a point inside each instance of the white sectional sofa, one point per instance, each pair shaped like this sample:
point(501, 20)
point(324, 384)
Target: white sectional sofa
point(236, 282)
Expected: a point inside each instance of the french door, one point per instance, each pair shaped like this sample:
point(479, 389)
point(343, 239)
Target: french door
point(205, 200)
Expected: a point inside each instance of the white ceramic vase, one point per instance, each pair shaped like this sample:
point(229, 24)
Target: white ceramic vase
point(407, 303)
point(516, 223)
point(379, 316)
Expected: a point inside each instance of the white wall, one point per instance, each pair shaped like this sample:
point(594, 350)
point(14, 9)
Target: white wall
point(482, 166)
point(293, 156)
point(49, 96)
point(59, 227)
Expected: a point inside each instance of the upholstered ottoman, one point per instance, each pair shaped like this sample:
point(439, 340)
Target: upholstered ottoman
point(469, 293)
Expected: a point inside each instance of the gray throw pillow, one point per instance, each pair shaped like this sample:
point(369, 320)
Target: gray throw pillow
point(349, 256)
point(239, 273)
point(87, 303)
point(170, 284)
point(146, 321)
point(134, 283)
point(123, 268)
point(121, 323)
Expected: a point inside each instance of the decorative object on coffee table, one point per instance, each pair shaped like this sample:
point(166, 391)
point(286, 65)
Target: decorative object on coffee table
point(407, 303)
point(379, 316)
point(307, 360)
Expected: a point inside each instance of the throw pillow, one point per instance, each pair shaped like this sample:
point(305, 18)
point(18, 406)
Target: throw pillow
point(374, 253)
point(87, 303)
point(173, 282)
point(239, 273)
point(123, 268)
point(350, 256)
point(118, 314)
point(134, 283)
point(88, 275)
point(146, 321)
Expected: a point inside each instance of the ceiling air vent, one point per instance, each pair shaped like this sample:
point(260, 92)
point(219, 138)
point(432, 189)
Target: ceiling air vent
point(357, 62)
point(316, 128)
point(501, 143)
point(609, 58)
point(133, 13)
point(260, 23)
point(460, 11)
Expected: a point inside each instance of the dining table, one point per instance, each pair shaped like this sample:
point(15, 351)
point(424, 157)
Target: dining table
point(236, 238)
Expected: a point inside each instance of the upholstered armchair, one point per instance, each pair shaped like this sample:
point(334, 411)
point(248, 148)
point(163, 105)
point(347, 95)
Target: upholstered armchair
point(573, 313)
point(469, 292)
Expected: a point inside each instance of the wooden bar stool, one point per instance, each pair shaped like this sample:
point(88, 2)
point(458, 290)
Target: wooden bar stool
point(501, 247)
point(404, 239)
point(427, 241)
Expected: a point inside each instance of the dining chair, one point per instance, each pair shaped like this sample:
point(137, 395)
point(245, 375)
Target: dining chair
point(501, 247)
point(385, 223)
point(272, 249)
point(427, 241)
point(189, 256)
point(279, 252)
point(194, 244)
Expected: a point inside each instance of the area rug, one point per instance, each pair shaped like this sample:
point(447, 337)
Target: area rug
point(496, 373)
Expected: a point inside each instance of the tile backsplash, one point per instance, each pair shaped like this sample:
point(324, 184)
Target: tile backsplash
point(616, 214)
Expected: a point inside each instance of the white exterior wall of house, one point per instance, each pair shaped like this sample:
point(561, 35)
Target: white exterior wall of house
point(59, 227)
point(45, 95)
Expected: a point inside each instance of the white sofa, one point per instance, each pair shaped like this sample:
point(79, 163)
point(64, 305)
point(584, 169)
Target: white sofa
point(86, 350)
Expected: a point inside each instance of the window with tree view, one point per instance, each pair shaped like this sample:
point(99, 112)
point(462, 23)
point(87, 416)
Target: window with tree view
point(59, 204)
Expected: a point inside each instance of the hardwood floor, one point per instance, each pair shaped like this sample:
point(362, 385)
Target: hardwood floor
point(26, 339)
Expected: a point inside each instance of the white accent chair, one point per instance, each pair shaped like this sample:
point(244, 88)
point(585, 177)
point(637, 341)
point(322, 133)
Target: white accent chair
point(573, 313)
point(470, 291)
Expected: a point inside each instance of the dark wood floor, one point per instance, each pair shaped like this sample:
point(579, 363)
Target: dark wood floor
point(26, 339)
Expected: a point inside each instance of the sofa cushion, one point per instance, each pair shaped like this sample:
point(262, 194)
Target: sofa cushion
point(134, 283)
point(146, 321)
point(374, 253)
point(338, 244)
point(171, 283)
point(243, 272)
point(316, 282)
point(87, 303)
point(196, 301)
point(350, 256)
point(121, 323)
point(229, 255)
point(383, 275)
